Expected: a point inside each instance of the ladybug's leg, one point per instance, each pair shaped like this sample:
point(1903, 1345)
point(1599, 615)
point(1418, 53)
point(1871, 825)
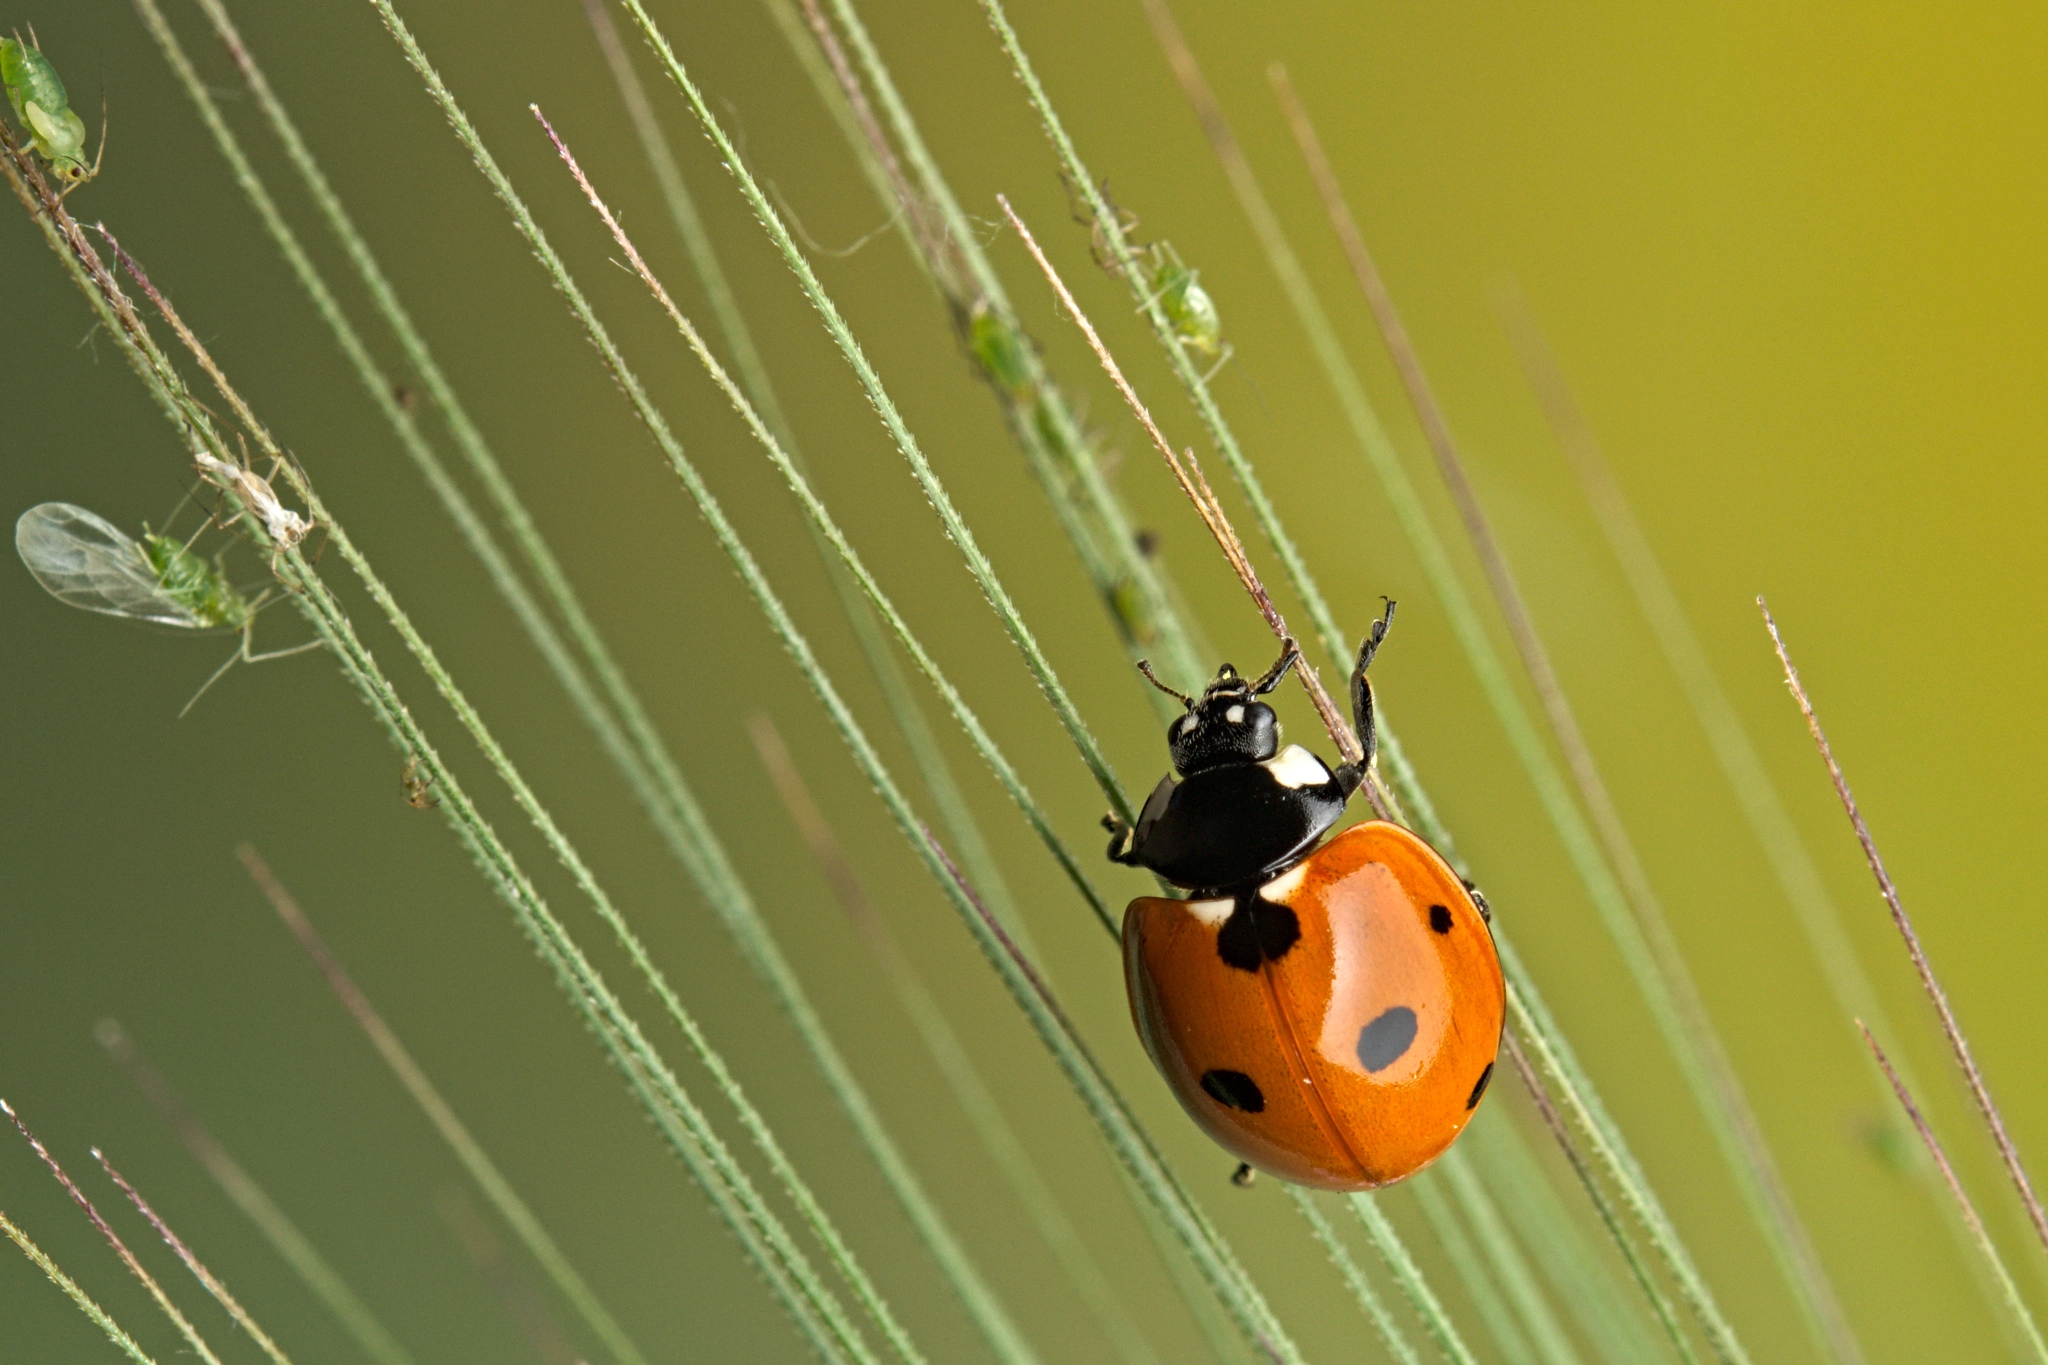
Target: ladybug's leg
point(1361, 691)
point(1478, 899)
point(1290, 655)
point(1120, 841)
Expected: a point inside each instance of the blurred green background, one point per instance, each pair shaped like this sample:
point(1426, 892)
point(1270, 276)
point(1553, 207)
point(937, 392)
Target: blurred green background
point(1789, 258)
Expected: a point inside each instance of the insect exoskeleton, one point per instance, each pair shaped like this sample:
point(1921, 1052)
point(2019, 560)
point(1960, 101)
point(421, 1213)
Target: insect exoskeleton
point(284, 527)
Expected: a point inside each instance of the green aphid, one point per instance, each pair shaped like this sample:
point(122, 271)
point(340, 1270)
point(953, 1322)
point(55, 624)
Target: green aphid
point(85, 561)
point(1000, 349)
point(45, 113)
point(1186, 304)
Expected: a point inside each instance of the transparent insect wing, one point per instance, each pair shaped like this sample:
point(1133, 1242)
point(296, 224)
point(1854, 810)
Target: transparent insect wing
point(85, 561)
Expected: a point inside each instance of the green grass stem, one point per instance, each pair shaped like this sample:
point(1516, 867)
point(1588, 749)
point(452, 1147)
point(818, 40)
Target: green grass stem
point(1380, 1230)
point(947, 798)
point(1005, 1149)
point(1369, 1300)
point(100, 1317)
point(954, 525)
point(1511, 1271)
point(1495, 1313)
point(1608, 1316)
point(292, 1246)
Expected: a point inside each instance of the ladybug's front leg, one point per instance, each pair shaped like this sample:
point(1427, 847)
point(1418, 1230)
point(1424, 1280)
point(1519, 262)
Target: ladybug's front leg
point(1120, 841)
point(1351, 775)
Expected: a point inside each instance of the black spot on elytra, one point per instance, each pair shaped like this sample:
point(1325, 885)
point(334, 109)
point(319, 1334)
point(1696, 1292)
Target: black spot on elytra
point(1480, 1089)
point(1257, 932)
point(1382, 1042)
point(1234, 1090)
point(1440, 918)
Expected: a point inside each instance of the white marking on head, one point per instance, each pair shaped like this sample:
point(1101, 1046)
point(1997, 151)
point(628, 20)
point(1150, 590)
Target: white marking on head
point(1210, 912)
point(1282, 888)
point(1235, 715)
point(1297, 767)
point(1187, 723)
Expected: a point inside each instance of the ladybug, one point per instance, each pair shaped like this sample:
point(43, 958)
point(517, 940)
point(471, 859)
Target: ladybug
point(1327, 1011)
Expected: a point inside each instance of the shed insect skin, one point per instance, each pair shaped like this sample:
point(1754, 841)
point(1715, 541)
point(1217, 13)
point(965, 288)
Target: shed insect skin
point(284, 527)
point(419, 791)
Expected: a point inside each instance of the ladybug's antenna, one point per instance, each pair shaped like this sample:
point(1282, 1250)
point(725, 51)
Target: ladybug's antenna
point(1145, 667)
point(1290, 655)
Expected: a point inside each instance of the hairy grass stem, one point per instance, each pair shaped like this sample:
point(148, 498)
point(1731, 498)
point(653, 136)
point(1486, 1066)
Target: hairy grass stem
point(99, 1316)
point(1369, 1300)
point(100, 1225)
point(2008, 1153)
point(1975, 1224)
point(811, 1303)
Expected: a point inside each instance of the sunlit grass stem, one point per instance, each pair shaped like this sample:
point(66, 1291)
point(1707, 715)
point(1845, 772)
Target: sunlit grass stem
point(99, 1316)
point(148, 1281)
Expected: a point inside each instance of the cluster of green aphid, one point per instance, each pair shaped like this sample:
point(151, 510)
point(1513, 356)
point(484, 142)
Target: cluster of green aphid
point(44, 111)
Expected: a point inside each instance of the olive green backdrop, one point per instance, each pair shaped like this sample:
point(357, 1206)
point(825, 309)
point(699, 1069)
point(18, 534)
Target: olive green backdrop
point(1791, 262)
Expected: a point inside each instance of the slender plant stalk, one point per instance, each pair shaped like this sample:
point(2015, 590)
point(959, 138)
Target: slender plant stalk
point(489, 1180)
point(1674, 996)
point(211, 1282)
point(1005, 1149)
point(1551, 786)
point(1226, 1277)
point(1953, 1031)
point(135, 1267)
point(947, 798)
point(1380, 1229)
point(1510, 1268)
point(100, 1317)
point(1369, 1300)
point(1608, 1317)
point(789, 1271)
point(519, 1295)
point(2013, 1300)
point(821, 521)
point(1496, 1314)
point(293, 1247)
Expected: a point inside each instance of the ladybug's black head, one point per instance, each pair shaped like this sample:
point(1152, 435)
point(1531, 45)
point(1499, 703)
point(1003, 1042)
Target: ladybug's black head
point(1227, 723)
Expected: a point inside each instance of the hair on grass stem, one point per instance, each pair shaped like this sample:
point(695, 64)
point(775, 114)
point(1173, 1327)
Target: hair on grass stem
point(291, 1245)
point(99, 1316)
point(498, 1190)
point(100, 1224)
point(1955, 1188)
point(200, 1272)
point(1187, 472)
point(1979, 1091)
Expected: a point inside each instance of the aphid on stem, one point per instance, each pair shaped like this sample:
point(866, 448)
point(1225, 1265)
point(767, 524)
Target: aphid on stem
point(45, 113)
point(85, 561)
point(419, 791)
